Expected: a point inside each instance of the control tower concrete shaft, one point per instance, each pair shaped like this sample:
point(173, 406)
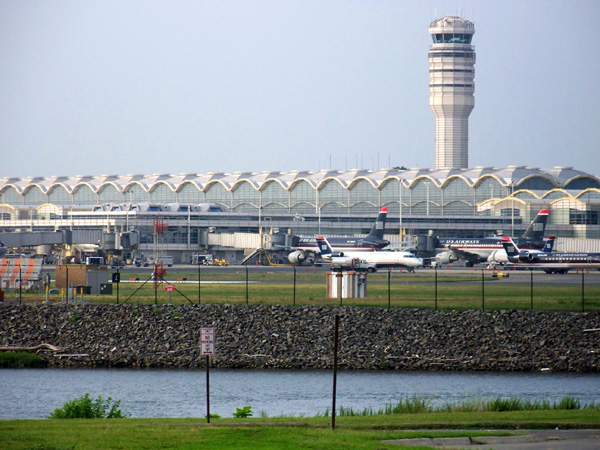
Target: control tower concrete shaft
point(451, 89)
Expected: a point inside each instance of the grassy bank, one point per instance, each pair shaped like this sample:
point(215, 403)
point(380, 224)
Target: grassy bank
point(364, 432)
point(454, 291)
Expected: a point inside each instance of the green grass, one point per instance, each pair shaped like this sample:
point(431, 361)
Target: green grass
point(20, 360)
point(365, 432)
point(455, 291)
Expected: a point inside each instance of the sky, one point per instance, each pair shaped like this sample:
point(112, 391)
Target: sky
point(145, 87)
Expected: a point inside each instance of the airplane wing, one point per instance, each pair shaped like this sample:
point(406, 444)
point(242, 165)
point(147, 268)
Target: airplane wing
point(464, 254)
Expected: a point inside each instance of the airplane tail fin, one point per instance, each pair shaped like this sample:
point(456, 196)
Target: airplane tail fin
point(549, 245)
point(536, 229)
point(510, 247)
point(378, 229)
point(324, 248)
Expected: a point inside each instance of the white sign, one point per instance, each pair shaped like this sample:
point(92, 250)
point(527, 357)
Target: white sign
point(207, 340)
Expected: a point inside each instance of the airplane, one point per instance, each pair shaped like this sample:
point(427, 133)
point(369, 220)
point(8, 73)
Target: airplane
point(549, 261)
point(371, 261)
point(476, 250)
point(305, 247)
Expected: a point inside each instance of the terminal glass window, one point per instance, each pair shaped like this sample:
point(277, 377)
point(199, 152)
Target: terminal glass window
point(536, 183)
point(458, 208)
point(457, 190)
point(189, 193)
point(274, 193)
point(84, 195)
point(364, 208)
point(162, 194)
point(332, 191)
point(583, 183)
point(363, 191)
point(510, 212)
point(333, 208)
point(490, 187)
point(108, 193)
point(302, 192)
point(58, 195)
point(217, 193)
point(577, 217)
point(302, 208)
point(34, 196)
point(135, 193)
point(245, 197)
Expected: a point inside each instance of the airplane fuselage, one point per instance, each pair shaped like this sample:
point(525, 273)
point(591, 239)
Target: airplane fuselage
point(480, 249)
point(341, 244)
point(556, 260)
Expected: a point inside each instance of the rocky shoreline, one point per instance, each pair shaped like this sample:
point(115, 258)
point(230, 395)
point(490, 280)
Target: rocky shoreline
point(286, 337)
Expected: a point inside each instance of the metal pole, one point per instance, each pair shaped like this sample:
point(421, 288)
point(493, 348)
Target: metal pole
point(246, 285)
point(482, 291)
point(67, 267)
point(294, 285)
point(118, 283)
point(199, 297)
point(207, 389)
point(531, 288)
point(155, 284)
point(20, 283)
point(582, 290)
point(436, 293)
point(335, 352)
point(389, 287)
point(339, 285)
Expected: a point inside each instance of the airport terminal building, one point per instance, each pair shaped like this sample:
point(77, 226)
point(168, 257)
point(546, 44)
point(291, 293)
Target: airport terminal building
point(451, 200)
point(448, 203)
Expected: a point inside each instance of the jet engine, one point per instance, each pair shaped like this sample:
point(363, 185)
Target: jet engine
point(526, 257)
point(498, 256)
point(445, 258)
point(297, 257)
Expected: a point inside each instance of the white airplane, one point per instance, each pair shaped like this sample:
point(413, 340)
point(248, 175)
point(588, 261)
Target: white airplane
point(371, 261)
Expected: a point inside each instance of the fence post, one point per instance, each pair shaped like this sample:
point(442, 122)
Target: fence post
point(531, 276)
point(582, 291)
point(436, 287)
point(294, 285)
point(482, 291)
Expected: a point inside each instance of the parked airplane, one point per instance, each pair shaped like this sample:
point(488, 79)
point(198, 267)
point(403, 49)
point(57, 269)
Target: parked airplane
point(476, 250)
point(549, 261)
point(372, 260)
point(306, 247)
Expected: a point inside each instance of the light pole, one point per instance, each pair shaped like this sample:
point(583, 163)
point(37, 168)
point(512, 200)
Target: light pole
point(512, 208)
point(427, 184)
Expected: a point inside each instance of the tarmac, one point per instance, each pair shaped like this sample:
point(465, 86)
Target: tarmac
point(521, 440)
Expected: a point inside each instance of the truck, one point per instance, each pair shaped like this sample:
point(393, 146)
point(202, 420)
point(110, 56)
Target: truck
point(206, 260)
point(94, 261)
point(166, 261)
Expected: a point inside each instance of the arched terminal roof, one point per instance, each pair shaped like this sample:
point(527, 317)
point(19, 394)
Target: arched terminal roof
point(558, 177)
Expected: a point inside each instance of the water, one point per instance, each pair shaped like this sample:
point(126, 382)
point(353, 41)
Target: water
point(35, 393)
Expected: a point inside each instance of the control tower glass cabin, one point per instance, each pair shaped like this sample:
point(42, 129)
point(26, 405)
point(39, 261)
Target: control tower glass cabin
point(451, 89)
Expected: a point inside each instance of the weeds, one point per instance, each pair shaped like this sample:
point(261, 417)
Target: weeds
point(246, 411)
point(415, 405)
point(86, 408)
point(20, 360)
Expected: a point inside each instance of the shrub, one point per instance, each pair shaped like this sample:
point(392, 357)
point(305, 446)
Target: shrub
point(246, 411)
point(86, 408)
point(20, 360)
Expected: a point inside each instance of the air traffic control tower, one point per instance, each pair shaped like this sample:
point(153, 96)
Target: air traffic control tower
point(451, 89)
